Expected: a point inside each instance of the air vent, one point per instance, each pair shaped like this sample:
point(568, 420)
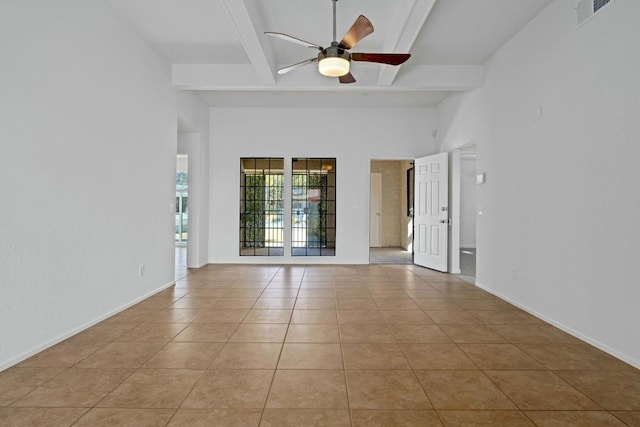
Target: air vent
point(597, 4)
point(586, 9)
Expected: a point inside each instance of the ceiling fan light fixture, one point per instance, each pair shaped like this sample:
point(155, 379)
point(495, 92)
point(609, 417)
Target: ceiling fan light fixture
point(334, 66)
point(335, 60)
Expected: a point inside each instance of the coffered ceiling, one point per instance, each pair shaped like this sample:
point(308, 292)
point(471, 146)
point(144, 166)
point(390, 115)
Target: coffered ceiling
point(218, 47)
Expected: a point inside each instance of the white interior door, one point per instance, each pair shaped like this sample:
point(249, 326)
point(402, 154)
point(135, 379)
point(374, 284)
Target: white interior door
point(375, 203)
point(431, 211)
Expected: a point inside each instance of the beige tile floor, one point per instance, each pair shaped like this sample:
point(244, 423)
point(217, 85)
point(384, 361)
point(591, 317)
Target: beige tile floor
point(321, 345)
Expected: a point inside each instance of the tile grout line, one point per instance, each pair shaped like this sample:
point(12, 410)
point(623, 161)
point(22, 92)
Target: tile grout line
point(344, 364)
point(208, 366)
point(284, 339)
point(413, 371)
point(408, 284)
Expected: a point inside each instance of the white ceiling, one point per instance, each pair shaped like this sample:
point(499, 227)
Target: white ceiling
point(217, 47)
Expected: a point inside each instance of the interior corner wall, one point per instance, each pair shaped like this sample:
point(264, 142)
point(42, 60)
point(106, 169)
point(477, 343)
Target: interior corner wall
point(87, 171)
point(193, 140)
point(391, 195)
point(369, 133)
point(557, 136)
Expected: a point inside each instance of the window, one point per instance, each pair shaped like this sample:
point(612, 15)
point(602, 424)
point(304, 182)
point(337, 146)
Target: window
point(261, 206)
point(313, 207)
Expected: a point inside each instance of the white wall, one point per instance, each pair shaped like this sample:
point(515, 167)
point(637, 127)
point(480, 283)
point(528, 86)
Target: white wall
point(467, 202)
point(193, 140)
point(354, 136)
point(561, 201)
point(87, 155)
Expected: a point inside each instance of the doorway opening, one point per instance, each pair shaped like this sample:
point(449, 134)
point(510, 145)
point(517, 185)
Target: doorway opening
point(182, 214)
point(468, 209)
point(390, 216)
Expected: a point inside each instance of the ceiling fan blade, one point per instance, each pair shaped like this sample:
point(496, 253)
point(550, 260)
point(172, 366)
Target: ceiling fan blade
point(347, 78)
point(289, 38)
point(360, 29)
point(292, 67)
point(382, 58)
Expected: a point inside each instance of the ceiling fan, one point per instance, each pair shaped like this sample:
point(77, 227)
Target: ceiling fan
point(335, 60)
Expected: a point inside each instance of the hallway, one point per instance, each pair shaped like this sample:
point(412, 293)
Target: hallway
point(390, 256)
point(321, 345)
point(181, 262)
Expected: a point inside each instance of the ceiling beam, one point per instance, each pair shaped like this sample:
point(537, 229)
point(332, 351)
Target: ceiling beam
point(407, 23)
point(242, 77)
point(247, 19)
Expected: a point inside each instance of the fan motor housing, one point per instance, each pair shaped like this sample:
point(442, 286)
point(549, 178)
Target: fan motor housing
point(334, 51)
point(334, 61)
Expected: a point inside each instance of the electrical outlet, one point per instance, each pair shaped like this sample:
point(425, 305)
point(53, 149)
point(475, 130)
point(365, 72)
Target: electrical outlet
point(141, 270)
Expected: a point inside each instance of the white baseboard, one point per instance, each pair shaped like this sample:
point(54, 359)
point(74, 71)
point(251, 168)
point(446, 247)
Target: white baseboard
point(197, 266)
point(60, 338)
point(624, 357)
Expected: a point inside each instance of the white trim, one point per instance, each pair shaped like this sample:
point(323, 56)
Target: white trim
point(9, 363)
point(204, 264)
point(580, 8)
point(455, 173)
point(404, 27)
point(570, 331)
point(247, 20)
point(292, 260)
point(378, 176)
point(228, 77)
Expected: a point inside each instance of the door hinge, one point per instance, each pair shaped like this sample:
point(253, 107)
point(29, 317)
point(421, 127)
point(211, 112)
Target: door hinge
point(444, 221)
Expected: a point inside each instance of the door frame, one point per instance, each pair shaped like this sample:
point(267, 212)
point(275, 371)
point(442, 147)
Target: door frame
point(406, 220)
point(455, 202)
point(455, 171)
point(466, 152)
point(191, 145)
point(378, 178)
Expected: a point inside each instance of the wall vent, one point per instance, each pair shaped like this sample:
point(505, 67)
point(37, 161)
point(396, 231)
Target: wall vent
point(597, 4)
point(586, 9)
